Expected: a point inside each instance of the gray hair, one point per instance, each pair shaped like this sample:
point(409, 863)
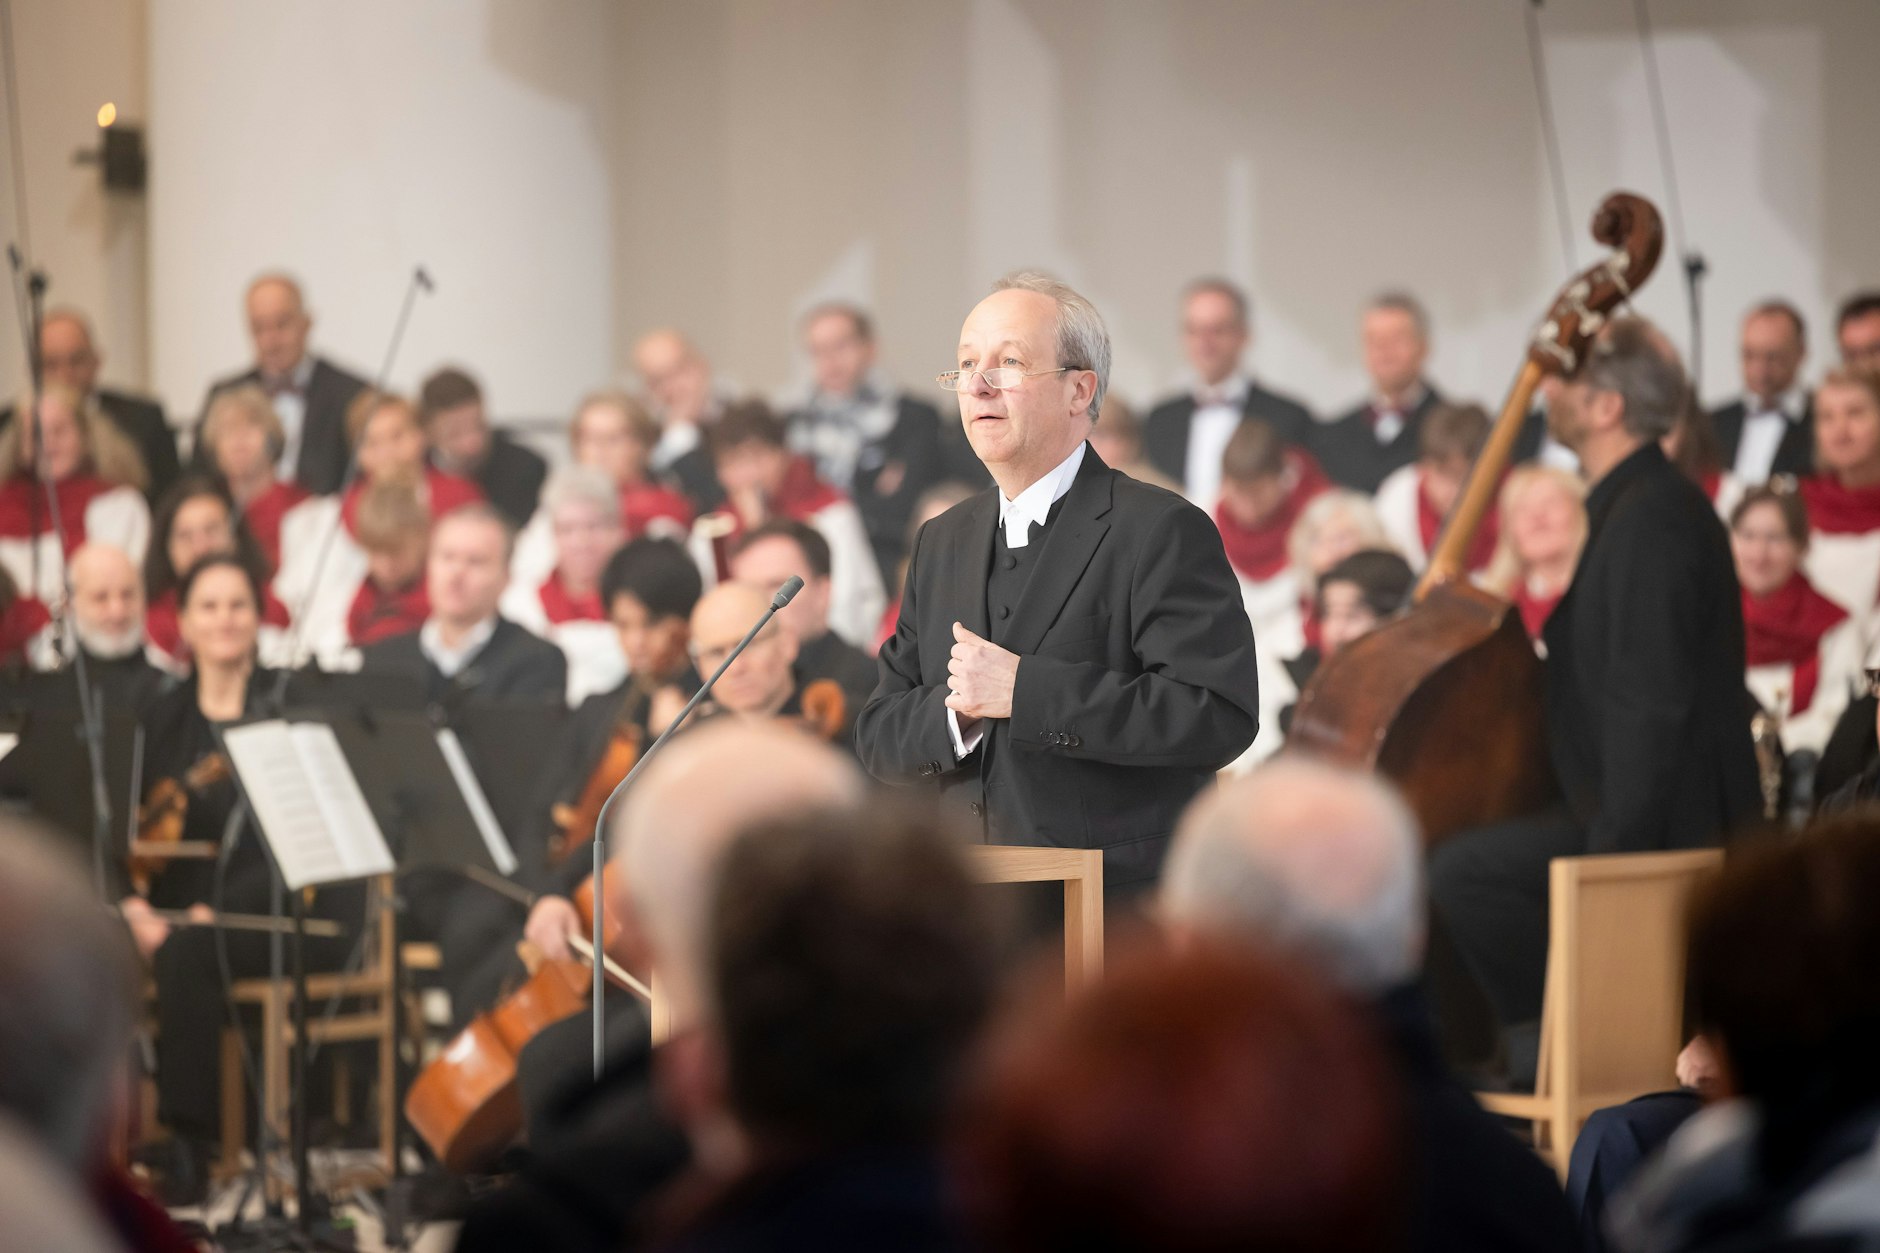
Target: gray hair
point(1403, 302)
point(69, 981)
point(1083, 342)
point(573, 484)
point(1318, 859)
point(1633, 360)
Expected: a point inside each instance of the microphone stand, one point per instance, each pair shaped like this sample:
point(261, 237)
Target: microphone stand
point(785, 594)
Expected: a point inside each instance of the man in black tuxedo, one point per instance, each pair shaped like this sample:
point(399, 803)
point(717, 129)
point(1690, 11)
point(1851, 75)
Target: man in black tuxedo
point(1072, 662)
point(1770, 428)
point(1857, 331)
point(765, 557)
point(71, 359)
point(1184, 436)
point(1647, 719)
point(463, 444)
point(880, 446)
point(107, 621)
point(466, 651)
point(1361, 448)
point(310, 394)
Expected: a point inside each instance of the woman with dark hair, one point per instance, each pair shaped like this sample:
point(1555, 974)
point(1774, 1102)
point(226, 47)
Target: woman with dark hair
point(194, 520)
point(219, 620)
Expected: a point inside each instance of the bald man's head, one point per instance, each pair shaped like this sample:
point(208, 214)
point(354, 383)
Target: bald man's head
point(761, 679)
point(67, 353)
point(676, 375)
point(107, 601)
point(1311, 857)
point(278, 323)
point(685, 810)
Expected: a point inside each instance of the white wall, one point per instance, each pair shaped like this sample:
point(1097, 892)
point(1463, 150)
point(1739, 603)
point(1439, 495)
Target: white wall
point(349, 140)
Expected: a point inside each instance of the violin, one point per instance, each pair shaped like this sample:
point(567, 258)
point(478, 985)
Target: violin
point(161, 818)
point(825, 709)
point(575, 824)
point(466, 1103)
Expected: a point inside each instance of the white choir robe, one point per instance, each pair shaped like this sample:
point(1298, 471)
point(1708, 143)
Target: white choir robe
point(595, 662)
point(1846, 569)
point(320, 604)
point(119, 517)
point(1272, 607)
point(1839, 663)
point(1396, 504)
point(856, 597)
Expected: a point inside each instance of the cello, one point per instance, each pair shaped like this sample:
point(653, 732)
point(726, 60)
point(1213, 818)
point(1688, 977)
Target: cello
point(1446, 699)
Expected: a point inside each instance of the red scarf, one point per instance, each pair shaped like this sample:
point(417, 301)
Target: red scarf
point(264, 513)
point(377, 614)
point(1786, 626)
point(641, 503)
point(1837, 510)
point(163, 630)
point(803, 495)
point(26, 513)
point(1534, 610)
point(1430, 525)
point(562, 607)
point(19, 622)
point(1257, 553)
point(442, 493)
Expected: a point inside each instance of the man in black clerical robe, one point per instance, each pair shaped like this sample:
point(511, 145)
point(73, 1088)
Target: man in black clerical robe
point(1647, 717)
point(1072, 663)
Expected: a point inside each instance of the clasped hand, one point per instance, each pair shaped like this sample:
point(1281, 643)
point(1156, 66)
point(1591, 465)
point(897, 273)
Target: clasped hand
point(980, 677)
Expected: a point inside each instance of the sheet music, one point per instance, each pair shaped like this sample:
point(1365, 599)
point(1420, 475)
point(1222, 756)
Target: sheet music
point(9, 740)
point(307, 803)
point(487, 826)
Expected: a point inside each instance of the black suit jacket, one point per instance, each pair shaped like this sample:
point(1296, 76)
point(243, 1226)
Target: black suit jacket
point(142, 422)
point(1350, 454)
point(513, 666)
point(1794, 455)
point(324, 451)
point(1647, 717)
point(913, 448)
point(511, 477)
point(1136, 681)
point(1165, 430)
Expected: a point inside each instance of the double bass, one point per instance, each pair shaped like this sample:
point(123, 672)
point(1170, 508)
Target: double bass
point(1446, 699)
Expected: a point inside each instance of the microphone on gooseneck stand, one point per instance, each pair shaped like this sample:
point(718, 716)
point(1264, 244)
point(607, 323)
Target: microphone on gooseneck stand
point(791, 586)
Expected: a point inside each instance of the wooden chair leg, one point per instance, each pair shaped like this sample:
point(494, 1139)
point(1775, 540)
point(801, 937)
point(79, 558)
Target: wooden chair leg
point(234, 1103)
point(388, 1089)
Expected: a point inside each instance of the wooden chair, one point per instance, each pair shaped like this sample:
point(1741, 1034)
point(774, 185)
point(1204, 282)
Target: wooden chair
point(1612, 1017)
point(375, 1001)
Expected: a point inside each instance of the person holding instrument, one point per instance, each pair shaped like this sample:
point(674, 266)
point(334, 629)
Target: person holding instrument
point(1647, 718)
point(189, 799)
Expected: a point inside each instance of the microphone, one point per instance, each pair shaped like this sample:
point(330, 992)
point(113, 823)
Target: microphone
point(422, 277)
point(790, 588)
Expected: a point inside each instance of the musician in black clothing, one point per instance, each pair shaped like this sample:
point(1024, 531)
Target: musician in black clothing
point(188, 778)
point(1360, 448)
point(768, 555)
point(107, 621)
point(463, 443)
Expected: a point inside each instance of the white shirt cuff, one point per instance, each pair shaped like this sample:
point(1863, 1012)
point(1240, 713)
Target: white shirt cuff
point(962, 746)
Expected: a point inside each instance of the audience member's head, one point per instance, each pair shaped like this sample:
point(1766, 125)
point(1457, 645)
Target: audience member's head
point(766, 556)
point(394, 529)
point(1628, 390)
point(1359, 593)
point(71, 987)
point(1857, 330)
point(676, 376)
point(218, 612)
point(650, 588)
point(387, 437)
point(583, 508)
point(1199, 1101)
point(193, 520)
point(1453, 436)
point(1335, 525)
point(1784, 977)
point(748, 450)
point(107, 601)
point(1774, 342)
point(1847, 427)
point(1117, 436)
point(243, 436)
point(1217, 325)
point(1319, 860)
point(615, 434)
point(450, 405)
point(1768, 538)
point(706, 787)
point(761, 680)
point(840, 341)
point(1395, 333)
point(468, 566)
point(68, 357)
point(849, 967)
point(75, 440)
point(278, 324)
point(1255, 479)
point(1053, 343)
point(1543, 524)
